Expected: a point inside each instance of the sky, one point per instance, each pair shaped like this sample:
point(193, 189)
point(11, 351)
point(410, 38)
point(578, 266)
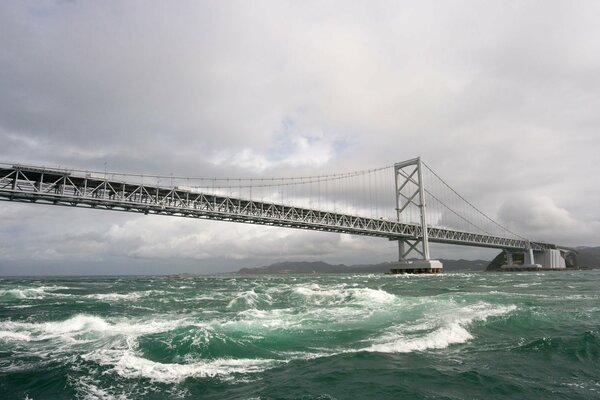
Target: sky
point(501, 98)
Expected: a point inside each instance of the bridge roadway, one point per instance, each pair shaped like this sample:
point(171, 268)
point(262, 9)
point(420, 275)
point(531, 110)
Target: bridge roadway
point(68, 188)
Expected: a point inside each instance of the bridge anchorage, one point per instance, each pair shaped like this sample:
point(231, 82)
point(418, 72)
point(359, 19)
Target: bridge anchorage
point(427, 210)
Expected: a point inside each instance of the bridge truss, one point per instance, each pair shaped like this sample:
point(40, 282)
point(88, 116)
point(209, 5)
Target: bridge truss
point(42, 185)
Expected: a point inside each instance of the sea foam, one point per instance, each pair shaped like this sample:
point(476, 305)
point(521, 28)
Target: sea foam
point(127, 364)
point(341, 294)
point(32, 293)
point(445, 329)
point(77, 327)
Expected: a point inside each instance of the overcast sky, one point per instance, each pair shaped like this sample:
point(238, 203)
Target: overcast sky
point(501, 98)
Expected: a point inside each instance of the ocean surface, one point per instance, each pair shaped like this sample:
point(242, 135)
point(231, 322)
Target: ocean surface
point(450, 336)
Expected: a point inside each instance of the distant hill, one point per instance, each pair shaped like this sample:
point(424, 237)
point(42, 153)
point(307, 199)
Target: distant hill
point(296, 267)
point(319, 267)
point(588, 257)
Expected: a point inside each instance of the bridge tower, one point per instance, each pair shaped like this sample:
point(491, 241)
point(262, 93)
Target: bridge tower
point(411, 208)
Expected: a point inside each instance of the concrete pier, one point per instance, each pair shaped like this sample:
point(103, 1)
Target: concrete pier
point(522, 267)
point(549, 259)
point(417, 267)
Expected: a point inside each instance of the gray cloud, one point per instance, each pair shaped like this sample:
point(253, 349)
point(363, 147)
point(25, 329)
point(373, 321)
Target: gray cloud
point(500, 99)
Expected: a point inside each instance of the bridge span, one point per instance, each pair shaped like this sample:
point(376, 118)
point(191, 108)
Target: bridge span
point(412, 227)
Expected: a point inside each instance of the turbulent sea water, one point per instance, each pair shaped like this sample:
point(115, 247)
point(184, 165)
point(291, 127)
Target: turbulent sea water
point(449, 336)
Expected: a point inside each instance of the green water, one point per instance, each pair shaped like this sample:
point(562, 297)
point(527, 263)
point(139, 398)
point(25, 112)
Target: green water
point(450, 336)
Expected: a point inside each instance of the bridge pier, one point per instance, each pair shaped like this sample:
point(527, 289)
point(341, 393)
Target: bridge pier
point(417, 267)
point(547, 259)
point(414, 266)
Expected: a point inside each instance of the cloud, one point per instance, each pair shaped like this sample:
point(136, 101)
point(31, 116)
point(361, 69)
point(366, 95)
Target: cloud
point(500, 99)
point(539, 217)
point(293, 151)
point(166, 238)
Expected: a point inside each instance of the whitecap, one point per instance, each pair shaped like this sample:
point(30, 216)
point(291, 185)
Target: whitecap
point(114, 296)
point(33, 293)
point(439, 339)
point(14, 336)
point(448, 328)
point(81, 326)
point(89, 391)
point(129, 365)
point(123, 296)
point(341, 294)
point(250, 299)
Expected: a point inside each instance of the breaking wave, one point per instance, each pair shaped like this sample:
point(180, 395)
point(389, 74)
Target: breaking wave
point(130, 338)
point(32, 293)
point(447, 329)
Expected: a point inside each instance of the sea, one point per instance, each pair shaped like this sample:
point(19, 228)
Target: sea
point(476, 335)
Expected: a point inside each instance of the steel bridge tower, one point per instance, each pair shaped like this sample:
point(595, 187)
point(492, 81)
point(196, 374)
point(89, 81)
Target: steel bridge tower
point(410, 199)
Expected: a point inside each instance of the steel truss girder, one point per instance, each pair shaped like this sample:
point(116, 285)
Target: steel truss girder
point(63, 188)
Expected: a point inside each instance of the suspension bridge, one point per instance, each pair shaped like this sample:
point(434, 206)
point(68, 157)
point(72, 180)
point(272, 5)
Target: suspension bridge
point(406, 202)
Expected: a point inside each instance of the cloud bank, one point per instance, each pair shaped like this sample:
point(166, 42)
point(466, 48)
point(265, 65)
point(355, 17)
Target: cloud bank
point(501, 99)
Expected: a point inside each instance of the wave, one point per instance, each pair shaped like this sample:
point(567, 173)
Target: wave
point(341, 294)
point(83, 327)
point(129, 365)
point(123, 296)
point(14, 336)
point(580, 347)
point(448, 328)
point(247, 339)
point(32, 293)
point(250, 299)
point(115, 296)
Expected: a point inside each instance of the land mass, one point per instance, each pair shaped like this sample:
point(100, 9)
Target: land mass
point(588, 257)
point(319, 267)
point(585, 258)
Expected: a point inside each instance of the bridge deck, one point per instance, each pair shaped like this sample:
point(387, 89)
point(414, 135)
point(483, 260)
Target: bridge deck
point(66, 188)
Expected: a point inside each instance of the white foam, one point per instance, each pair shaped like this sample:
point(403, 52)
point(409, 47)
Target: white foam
point(252, 320)
point(439, 339)
point(115, 296)
point(79, 325)
point(526, 285)
point(448, 328)
point(372, 296)
point(341, 294)
point(33, 293)
point(129, 365)
point(89, 391)
point(207, 297)
point(14, 336)
point(123, 296)
point(338, 307)
point(250, 299)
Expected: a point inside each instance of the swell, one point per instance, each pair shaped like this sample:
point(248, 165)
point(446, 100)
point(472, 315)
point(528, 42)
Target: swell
point(583, 347)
